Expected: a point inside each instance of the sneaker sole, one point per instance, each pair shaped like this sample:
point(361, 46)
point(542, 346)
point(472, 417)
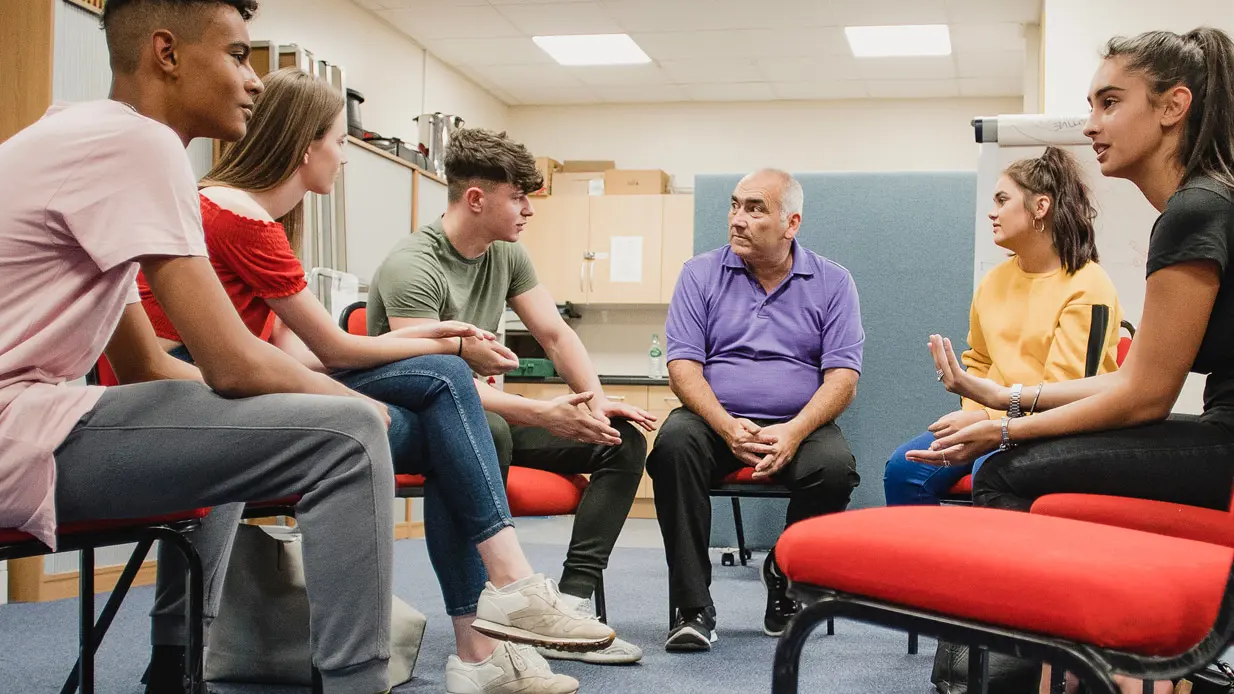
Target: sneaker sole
point(591, 658)
point(762, 578)
point(690, 641)
point(505, 632)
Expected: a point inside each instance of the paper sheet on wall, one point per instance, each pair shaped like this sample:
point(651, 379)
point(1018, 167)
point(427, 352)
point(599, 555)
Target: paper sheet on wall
point(627, 259)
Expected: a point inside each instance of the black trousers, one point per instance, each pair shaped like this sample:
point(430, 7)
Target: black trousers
point(689, 457)
point(616, 472)
point(1182, 460)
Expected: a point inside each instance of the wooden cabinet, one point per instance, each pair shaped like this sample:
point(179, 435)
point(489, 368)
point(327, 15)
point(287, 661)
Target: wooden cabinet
point(612, 250)
point(678, 246)
point(624, 249)
point(556, 239)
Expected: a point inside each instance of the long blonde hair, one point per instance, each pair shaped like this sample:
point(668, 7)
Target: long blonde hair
point(294, 111)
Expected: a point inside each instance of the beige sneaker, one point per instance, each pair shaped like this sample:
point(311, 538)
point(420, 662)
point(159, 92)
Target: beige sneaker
point(533, 611)
point(619, 652)
point(510, 669)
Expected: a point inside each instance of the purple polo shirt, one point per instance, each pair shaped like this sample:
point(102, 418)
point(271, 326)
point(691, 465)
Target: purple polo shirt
point(764, 354)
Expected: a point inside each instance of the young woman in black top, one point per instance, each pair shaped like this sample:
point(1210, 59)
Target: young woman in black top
point(1163, 118)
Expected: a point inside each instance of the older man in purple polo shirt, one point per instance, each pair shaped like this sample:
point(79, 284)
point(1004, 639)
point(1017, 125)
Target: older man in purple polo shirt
point(764, 351)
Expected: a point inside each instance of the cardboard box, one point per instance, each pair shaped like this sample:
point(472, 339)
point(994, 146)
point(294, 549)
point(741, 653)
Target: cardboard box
point(635, 182)
point(586, 166)
point(547, 167)
point(587, 183)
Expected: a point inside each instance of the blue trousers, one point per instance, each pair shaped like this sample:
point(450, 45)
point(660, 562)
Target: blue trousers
point(906, 483)
point(438, 429)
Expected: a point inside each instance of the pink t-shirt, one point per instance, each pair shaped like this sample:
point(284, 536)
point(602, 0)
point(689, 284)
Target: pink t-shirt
point(87, 190)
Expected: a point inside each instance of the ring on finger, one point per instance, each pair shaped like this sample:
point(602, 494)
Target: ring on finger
point(945, 463)
point(939, 374)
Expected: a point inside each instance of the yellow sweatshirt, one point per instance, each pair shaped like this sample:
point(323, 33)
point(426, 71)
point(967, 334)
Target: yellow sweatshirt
point(1033, 327)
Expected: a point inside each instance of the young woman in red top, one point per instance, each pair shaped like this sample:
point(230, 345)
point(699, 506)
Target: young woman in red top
point(252, 209)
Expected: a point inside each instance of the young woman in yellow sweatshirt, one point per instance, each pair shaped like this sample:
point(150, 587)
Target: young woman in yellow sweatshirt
point(1031, 316)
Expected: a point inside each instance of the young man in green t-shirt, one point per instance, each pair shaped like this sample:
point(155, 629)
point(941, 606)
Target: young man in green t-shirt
point(467, 266)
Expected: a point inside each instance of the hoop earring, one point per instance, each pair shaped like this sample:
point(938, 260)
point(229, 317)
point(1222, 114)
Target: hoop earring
point(1042, 229)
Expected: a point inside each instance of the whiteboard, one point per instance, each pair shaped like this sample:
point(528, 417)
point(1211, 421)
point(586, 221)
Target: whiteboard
point(1124, 217)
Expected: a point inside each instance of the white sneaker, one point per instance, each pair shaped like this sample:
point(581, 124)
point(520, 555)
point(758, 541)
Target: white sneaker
point(510, 669)
point(618, 653)
point(534, 612)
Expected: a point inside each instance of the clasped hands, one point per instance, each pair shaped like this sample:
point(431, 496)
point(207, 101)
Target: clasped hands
point(766, 449)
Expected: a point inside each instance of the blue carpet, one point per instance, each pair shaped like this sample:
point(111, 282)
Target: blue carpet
point(38, 641)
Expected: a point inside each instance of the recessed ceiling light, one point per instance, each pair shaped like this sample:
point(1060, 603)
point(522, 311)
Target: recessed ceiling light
point(904, 40)
point(592, 49)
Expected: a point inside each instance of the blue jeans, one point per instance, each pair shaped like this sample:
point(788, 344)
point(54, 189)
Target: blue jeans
point(438, 429)
point(906, 483)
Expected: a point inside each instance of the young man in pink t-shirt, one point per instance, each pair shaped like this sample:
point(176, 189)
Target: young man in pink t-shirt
point(95, 191)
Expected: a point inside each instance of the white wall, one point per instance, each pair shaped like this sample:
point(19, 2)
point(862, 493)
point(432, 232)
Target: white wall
point(1074, 32)
point(685, 139)
point(397, 79)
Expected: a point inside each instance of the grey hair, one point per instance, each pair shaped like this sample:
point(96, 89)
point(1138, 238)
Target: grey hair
point(792, 198)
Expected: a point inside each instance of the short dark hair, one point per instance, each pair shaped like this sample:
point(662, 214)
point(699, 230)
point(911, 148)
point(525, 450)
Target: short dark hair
point(1057, 175)
point(485, 157)
point(1202, 60)
point(129, 22)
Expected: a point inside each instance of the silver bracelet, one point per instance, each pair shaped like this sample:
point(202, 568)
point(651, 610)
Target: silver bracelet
point(1036, 397)
point(1014, 410)
point(1006, 440)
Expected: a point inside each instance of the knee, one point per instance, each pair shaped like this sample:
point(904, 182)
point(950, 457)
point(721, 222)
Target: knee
point(450, 368)
point(631, 454)
point(361, 422)
point(675, 448)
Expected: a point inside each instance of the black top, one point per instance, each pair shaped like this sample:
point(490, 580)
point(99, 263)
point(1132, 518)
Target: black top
point(1198, 224)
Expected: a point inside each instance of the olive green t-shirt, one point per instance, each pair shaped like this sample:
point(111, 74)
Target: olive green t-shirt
point(425, 277)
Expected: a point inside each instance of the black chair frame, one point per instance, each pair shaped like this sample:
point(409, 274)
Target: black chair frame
point(91, 632)
point(1094, 666)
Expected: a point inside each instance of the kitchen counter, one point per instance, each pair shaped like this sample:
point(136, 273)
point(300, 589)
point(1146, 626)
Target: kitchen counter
point(604, 380)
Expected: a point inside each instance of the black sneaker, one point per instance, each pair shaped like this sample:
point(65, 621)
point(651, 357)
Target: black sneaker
point(694, 630)
point(780, 608)
point(165, 673)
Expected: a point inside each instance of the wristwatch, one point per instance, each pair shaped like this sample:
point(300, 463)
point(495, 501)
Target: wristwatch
point(1014, 410)
point(1006, 442)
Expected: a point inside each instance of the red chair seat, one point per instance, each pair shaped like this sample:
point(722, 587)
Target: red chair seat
point(963, 487)
point(9, 536)
point(1110, 587)
point(746, 476)
point(407, 481)
point(1175, 520)
point(538, 493)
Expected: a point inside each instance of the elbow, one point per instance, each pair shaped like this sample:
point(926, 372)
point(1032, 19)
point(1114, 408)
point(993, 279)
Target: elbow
point(235, 380)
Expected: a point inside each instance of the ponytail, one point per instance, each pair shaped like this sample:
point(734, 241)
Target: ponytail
point(1202, 60)
point(1056, 175)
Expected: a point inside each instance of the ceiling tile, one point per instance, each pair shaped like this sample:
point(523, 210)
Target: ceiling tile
point(745, 43)
point(991, 86)
point(820, 69)
point(882, 12)
point(1003, 36)
point(926, 67)
point(820, 91)
point(434, 20)
point(539, 96)
point(1020, 11)
point(993, 64)
point(500, 51)
point(515, 77)
point(562, 18)
point(719, 71)
point(749, 91)
point(913, 89)
point(650, 94)
point(619, 75)
point(716, 15)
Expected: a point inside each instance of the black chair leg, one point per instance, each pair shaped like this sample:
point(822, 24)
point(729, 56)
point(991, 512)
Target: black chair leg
point(1058, 680)
point(912, 643)
point(601, 608)
point(194, 677)
point(741, 531)
point(831, 626)
point(784, 674)
point(1149, 686)
point(85, 582)
point(111, 607)
point(978, 670)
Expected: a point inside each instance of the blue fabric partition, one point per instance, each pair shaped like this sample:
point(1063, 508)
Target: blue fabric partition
point(907, 239)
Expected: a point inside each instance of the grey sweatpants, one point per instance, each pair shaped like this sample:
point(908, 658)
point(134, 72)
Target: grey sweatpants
point(169, 446)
